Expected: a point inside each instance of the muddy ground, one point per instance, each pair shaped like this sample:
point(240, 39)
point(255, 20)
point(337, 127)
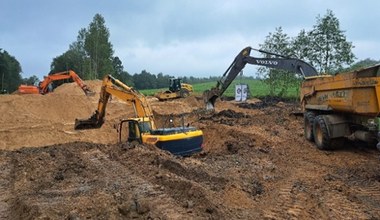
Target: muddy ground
point(255, 164)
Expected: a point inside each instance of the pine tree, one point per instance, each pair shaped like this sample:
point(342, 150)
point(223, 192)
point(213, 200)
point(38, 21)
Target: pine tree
point(98, 48)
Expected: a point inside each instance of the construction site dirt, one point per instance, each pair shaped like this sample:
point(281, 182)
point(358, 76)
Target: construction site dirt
point(255, 164)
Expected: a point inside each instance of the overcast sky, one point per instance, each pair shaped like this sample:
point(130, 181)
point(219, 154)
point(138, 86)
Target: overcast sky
point(180, 38)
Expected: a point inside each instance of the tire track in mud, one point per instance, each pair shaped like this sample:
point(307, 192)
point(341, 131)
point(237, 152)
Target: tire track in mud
point(330, 204)
point(330, 193)
point(354, 188)
point(337, 206)
point(291, 200)
point(371, 195)
point(365, 189)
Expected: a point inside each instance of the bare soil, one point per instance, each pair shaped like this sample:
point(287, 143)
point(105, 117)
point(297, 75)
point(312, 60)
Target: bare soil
point(255, 164)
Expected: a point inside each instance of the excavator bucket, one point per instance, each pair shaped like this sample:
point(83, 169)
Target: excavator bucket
point(90, 123)
point(209, 97)
point(210, 105)
point(88, 92)
point(81, 124)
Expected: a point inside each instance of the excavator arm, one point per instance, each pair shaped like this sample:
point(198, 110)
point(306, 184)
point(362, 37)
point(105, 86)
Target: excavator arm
point(61, 76)
point(243, 58)
point(115, 87)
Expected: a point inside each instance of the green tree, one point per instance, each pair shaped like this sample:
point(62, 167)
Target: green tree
point(163, 80)
point(145, 80)
point(70, 60)
point(278, 80)
point(300, 46)
point(328, 47)
point(98, 48)
point(82, 60)
point(33, 80)
point(73, 59)
point(117, 67)
point(10, 72)
point(91, 55)
point(361, 64)
point(127, 79)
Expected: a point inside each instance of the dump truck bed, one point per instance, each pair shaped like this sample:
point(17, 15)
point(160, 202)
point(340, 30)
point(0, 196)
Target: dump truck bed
point(355, 92)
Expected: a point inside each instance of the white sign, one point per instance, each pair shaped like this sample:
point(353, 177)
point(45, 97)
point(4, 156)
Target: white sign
point(241, 92)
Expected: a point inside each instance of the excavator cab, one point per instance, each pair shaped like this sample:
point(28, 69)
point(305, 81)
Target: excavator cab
point(131, 130)
point(175, 85)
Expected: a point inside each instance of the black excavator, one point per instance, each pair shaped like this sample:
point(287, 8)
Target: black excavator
point(277, 61)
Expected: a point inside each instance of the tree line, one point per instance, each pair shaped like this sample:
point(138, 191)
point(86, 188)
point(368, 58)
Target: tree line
point(324, 46)
point(91, 56)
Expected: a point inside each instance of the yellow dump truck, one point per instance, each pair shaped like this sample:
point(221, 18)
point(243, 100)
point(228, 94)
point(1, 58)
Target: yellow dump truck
point(340, 107)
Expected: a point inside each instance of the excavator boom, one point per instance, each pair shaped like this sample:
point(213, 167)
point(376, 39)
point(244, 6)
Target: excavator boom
point(115, 87)
point(278, 62)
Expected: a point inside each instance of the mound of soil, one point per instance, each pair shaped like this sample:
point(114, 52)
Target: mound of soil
point(267, 101)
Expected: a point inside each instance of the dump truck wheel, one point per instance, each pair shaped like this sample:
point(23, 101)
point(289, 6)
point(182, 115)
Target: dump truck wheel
point(321, 135)
point(308, 125)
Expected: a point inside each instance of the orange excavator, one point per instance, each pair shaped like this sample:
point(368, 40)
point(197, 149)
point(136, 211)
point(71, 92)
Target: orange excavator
point(45, 86)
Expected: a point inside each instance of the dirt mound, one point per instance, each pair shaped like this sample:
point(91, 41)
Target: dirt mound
point(265, 102)
point(74, 89)
point(39, 120)
point(176, 106)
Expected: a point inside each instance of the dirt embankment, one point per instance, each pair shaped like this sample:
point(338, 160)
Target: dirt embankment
point(255, 165)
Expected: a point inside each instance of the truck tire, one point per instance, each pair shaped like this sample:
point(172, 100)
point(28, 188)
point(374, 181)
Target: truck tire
point(308, 125)
point(321, 134)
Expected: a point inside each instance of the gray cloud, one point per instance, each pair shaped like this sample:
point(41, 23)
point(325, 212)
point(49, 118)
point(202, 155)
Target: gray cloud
point(198, 38)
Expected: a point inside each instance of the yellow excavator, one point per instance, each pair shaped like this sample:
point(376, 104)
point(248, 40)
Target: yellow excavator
point(184, 140)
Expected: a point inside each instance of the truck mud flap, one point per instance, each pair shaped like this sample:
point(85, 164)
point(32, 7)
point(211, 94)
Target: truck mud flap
point(337, 126)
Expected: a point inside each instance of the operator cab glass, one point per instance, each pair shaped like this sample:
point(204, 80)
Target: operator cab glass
point(175, 85)
point(131, 130)
point(145, 127)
